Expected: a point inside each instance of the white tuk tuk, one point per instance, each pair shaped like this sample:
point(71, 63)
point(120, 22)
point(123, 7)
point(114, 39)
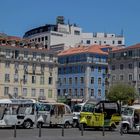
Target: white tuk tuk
point(54, 114)
point(20, 112)
point(131, 119)
point(77, 108)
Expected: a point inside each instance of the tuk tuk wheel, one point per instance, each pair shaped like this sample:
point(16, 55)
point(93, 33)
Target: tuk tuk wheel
point(125, 129)
point(28, 124)
point(67, 125)
point(75, 124)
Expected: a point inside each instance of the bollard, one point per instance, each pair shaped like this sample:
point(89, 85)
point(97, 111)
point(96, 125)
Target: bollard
point(103, 130)
point(63, 130)
point(139, 124)
point(82, 128)
point(139, 130)
point(15, 132)
point(121, 132)
point(39, 130)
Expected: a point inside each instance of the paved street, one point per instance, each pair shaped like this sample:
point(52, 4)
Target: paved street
point(69, 134)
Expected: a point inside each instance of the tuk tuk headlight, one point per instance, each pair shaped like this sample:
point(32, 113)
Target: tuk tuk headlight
point(88, 117)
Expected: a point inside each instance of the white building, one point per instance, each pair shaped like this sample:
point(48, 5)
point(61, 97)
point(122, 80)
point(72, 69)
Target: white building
point(68, 35)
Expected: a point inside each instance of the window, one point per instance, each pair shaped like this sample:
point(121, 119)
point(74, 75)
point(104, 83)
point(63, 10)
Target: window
point(42, 80)
point(130, 77)
point(25, 54)
point(113, 77)
point(25, 78)
point(33, 92)
point(81, 80)
point(46, 37)
point(70, 80)
point(70, 91)
point(92, 92)
point(7, 52)
point(119, 42)
point(42, 67)
point(99, 92)
point(76, 80)
point(24, 92)
point(38, 39)
point(41, 93)
point(75, 92)
point(64, 80)
point(139, 64)
point(50, 80)
point(99, 69)
point(130, 53)
point(42, 38)
point(139, 76)
point(113, 67)
point(113, 42)
point(121, 66)
point(6, 91)
point(15, 92)
point(34, 67)
point(50, 93)
point(42, 56)
point(81, 92)
point(99, 59)
point(25, 67)
point(99, 81)
point(7, 64)
point(34, 55)
point(121, 77)
point(16, 77)
point(7, 77)
point(33, 79)
point(16, 66)
point(130, 66)
point(76, 32)
point(64, 92)
point(92, 80)
point(92, 68)
point(88, 41)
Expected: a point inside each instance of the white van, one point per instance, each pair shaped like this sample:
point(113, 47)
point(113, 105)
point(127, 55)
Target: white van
point(53, 114)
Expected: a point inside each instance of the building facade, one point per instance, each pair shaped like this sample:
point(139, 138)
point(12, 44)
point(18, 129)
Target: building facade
point(82, 73)
point(70, 35)
point(124, 66)
point(26, 70)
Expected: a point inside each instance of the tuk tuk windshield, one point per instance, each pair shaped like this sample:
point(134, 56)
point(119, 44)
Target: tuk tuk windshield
point(128, 112)
point(77, 108)
point(43, 107)
point(88, 107)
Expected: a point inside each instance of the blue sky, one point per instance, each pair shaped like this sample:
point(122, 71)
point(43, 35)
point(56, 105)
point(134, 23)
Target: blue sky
point(111, 16)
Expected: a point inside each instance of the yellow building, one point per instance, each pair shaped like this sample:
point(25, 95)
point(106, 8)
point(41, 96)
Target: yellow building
point(26, 70)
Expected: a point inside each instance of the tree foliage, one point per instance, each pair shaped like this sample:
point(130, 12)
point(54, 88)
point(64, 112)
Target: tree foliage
point(122, 93)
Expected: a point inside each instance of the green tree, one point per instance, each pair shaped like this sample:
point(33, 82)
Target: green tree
point(123, 93)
